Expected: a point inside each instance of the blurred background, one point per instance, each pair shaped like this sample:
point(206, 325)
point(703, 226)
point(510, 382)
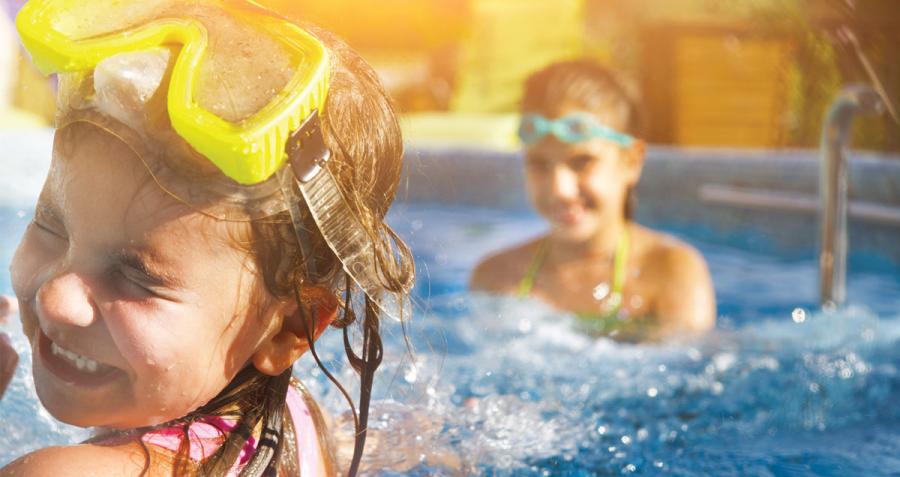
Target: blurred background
point(749, 73)
point(753, 73)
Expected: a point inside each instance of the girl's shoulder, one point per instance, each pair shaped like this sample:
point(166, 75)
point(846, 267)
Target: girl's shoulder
point(122, 458)
point(663, 250)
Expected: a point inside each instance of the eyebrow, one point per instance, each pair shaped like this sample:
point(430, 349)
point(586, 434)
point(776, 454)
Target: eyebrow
point(146, 265)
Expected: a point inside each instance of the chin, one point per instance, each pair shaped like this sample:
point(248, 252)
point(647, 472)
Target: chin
point(67, 411)
point(76, 409)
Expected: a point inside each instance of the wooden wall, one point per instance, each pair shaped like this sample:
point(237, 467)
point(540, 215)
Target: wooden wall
point(715, 86)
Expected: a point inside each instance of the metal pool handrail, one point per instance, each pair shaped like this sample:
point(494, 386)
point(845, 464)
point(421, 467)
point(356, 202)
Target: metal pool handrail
point(851, 101)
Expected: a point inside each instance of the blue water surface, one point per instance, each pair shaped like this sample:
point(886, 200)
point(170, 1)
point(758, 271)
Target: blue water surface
point(505, 387)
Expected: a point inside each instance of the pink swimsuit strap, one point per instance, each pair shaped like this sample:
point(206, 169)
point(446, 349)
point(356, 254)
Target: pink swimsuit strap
point(206, 435)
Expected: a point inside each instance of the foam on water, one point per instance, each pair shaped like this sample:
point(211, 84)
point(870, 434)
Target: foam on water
point(518, 391)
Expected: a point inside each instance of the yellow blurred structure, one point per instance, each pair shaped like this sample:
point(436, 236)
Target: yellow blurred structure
point(26, 99)
point(716, 86)
point(509, 40)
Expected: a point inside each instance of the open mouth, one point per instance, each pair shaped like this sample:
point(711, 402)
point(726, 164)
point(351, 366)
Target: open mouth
point(72, 367)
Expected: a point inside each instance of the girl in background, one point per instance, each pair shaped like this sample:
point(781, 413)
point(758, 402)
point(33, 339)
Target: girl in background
point(583, 160)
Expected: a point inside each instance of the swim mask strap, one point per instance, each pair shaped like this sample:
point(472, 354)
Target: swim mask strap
point(339, 225)
point(571, 129)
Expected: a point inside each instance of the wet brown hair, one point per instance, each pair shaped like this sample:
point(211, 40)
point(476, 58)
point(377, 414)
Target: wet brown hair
point(593, 88)
point(361, 129)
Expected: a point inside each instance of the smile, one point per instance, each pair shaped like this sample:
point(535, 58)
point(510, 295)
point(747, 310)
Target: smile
point(82, 363)
point(71, 367)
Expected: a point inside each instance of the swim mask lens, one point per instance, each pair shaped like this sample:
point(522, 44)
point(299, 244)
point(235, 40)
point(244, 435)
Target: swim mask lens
point(571, 129)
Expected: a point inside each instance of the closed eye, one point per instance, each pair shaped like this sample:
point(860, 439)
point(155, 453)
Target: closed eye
point(131, 284)
point(43, 219)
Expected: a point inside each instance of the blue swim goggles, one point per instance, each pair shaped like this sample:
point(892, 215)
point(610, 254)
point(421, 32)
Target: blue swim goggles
point(570, 129)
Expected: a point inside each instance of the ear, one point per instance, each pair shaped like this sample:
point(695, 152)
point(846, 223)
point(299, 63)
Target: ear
point(279, 351)
point(635, 159)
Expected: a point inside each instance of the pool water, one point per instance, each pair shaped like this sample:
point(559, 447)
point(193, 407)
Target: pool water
point(500, 386)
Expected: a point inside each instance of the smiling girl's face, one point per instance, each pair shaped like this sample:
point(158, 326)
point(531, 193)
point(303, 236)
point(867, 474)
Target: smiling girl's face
point(580, 188)
point(138, 309)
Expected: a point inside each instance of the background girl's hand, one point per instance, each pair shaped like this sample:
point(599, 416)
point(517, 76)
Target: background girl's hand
point(8, 357)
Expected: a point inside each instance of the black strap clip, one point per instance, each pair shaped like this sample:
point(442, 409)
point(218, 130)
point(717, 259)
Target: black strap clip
point(307, 152)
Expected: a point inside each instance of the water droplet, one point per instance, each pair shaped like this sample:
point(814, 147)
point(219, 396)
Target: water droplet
point(659, 464)
point(652, 392)
point(412, 374)
point(601, 291)
point(798, 315)
point(642, 434)
point(694, 354)
point(525, 326)
point(601, 430)
point(20, 214)
point(626, 440)
point(717, 388)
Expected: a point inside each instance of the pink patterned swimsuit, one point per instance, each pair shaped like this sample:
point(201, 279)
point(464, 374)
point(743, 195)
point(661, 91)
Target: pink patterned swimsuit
point(206, 436)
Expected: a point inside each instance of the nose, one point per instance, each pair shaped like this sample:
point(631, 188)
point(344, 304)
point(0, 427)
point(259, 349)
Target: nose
point(564, 183)
point(64, 301)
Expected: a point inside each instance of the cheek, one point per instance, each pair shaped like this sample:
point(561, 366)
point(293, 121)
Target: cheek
point(606, 185)
point(158, 337)
point(166, 341)
point(176, 356)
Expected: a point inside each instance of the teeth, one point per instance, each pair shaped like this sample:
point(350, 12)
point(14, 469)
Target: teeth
point(83, 364)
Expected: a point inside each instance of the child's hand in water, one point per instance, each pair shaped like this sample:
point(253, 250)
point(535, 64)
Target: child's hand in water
point(8, 357)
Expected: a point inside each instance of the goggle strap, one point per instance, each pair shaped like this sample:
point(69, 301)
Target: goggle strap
point(292, 198)
point(306, 149)
point(337, 222)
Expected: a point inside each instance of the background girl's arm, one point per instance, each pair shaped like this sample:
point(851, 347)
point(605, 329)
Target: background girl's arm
point(686, 302)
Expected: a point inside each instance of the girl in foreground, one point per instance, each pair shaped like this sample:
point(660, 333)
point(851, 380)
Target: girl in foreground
point(582, 162)
point(219, 180)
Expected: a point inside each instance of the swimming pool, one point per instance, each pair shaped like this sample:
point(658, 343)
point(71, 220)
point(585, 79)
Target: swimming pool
point(779, 389)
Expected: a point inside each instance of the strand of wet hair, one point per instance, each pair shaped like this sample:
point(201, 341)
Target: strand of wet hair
point(366, 365)
point(271, 443)
point(311, 325)
point(229, 452)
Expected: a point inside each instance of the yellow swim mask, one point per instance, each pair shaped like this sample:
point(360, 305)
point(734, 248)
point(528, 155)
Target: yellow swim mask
point(67, 36)
point(271, 148)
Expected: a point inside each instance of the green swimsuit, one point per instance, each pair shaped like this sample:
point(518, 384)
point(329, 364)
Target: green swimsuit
point(598, 323)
